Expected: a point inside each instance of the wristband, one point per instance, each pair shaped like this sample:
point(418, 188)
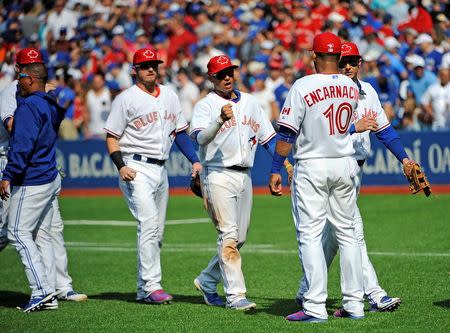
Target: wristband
point(352, 129)
point(116, 157)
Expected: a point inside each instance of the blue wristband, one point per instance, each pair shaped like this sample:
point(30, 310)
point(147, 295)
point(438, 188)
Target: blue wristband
point(277, 163)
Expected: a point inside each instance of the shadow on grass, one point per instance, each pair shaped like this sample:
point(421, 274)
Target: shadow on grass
point(131, 297)
point(284, 307)
point(11, 299)
point(444, 303)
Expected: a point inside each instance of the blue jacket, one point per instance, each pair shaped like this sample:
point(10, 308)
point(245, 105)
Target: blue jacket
point(32, 154)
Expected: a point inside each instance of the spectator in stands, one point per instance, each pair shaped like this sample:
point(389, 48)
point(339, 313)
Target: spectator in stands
point(265, 97)
point(188, 93)
point(98, 105)
point(61, 22)
point(426, 49)
point(419, 78)
point(436, 101)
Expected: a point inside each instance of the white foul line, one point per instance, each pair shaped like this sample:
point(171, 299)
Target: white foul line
point(201, 248)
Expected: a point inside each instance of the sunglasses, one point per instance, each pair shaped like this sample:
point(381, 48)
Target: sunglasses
point(22, 75)
point(223, 74)
point(148, 65)
point(351, 62)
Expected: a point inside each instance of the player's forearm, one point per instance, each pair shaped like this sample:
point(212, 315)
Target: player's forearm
point(185, 145)
point(112, 144)
point(391, 140)
point(208, 134)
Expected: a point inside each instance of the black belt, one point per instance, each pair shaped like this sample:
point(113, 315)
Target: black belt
point(137, 157)
point(360, 162)
point(237, 168)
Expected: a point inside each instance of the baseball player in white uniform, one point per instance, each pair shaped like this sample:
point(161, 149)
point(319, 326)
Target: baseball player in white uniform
point(316, 116)
point(369, 107)
point(9, 100)
point(144, 122)
point(228, 125)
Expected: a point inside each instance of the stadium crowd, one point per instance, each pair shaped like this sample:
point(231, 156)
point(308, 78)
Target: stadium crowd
point(88, 47)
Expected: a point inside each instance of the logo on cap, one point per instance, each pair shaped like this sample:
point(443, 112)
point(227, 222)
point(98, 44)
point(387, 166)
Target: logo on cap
point(222, 60)
point(346, 48)
point(330, 47)
point(33, 54)
point(149, 54)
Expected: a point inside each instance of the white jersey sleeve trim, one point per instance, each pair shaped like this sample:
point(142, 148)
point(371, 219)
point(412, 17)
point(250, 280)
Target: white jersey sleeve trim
point(288, 126)
point(383, 127)
point(7, 116)
point(182, 128)
point(197, 129)
point(268, 139)
point(107, 130)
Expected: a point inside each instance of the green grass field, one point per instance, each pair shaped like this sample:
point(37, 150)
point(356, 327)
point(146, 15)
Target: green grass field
point(407, 237)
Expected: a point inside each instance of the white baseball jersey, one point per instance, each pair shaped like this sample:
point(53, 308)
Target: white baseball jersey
point(368, 106)
point(99, 107)
point(8, 106)
point(248, 126)
point(439, 98)
point(319, 108)
point(145, 124)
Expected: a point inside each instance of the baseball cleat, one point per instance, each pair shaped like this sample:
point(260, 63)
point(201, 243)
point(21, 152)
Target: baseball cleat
point(341, 313)
point(212, 299)
point(386, 304)
point(53, 305)
point(158, 297)
point(302, 316)
point(37, 303)
point(242, 305)
point(73, 296)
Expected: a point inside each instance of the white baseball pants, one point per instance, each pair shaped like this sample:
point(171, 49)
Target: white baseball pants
point(29, 230)
point(318, 183)
point(228, 199)
point(147, 196)
point(372, 288)
point(4, 208)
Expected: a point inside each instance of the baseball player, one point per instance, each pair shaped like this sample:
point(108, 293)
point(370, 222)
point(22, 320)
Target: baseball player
point(315, 118)
point(144, 122)
point(369, 106)
point(10, 98)
point(228, 125)
point(34, 182)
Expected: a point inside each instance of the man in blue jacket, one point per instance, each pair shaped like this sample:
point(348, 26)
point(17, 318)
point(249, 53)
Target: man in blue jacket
point(32, 182)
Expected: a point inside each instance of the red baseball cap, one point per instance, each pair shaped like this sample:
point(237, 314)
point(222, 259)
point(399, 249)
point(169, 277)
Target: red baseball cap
point(219, 63)
point(349, 49)
point(327, 42)
point(146, 55)
point(29, 55)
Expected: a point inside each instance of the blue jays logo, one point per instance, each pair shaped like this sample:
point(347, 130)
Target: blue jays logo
point(252, 141)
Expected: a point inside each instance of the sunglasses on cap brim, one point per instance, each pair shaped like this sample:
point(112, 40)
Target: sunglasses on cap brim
point(223, 74)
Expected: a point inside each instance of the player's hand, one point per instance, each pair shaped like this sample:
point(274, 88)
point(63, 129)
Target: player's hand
point(366, 124)
point(226, 112)
point(196, 168)
point(4, 189)
point(275, 184)
point(127, 174)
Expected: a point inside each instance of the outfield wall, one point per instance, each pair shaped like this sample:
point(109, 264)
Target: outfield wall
point(88, 166)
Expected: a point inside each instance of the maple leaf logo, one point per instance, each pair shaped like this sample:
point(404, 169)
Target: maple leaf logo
point(346, 49)
point(32, 54)
point(222, 60)
point(149, 54)
point(330, 47)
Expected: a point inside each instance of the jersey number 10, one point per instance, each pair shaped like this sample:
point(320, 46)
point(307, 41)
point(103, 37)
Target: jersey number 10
point(339, 119)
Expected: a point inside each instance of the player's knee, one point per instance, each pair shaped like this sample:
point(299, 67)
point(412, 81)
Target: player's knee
point(230, 252)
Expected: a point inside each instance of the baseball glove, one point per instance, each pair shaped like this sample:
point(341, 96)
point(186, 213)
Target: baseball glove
point(195, 185)
point(416, 177)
